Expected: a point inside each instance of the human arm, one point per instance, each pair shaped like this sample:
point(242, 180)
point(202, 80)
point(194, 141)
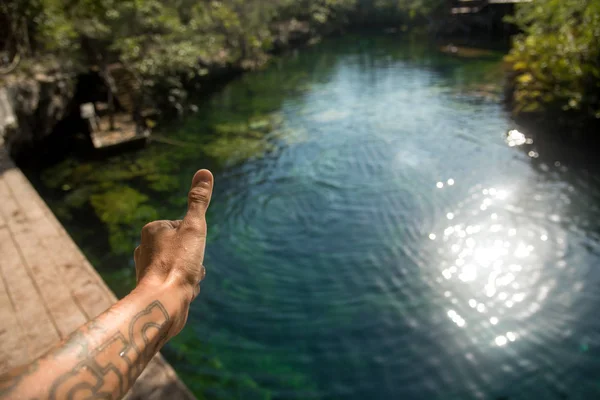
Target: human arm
point(102, 359)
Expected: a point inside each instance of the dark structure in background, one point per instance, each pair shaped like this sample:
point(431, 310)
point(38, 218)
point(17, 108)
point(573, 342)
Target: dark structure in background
point(481, 16)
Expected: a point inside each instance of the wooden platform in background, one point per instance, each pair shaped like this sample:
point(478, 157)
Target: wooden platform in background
point(126, 132)
point(48, 288)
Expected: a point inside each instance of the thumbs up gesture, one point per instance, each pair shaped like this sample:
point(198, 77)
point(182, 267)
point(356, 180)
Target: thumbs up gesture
point(171, 252)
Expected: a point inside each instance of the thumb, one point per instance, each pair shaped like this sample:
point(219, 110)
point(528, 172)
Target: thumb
point(199, 197)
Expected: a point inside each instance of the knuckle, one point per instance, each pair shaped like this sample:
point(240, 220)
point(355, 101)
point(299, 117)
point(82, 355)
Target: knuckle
point(196, 292)
point(154, 227)
point(186, 277)
point(199, 195)
point(148, 227)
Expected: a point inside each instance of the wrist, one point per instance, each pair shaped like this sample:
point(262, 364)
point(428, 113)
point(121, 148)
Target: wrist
point(175, 297)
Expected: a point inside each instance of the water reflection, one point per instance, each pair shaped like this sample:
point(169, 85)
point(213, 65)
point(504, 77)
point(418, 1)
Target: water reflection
point(493, 262)
point(516, 138)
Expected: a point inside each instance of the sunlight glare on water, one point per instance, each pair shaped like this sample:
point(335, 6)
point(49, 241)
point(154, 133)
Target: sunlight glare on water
point(493, 268)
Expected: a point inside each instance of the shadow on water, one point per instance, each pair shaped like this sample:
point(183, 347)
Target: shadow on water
point(557, 158)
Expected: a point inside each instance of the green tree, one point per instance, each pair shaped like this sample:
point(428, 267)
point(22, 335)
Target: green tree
point(556, 60)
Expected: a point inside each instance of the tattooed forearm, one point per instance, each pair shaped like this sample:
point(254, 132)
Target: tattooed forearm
point(112, 368)
point(105, 364)
point(104, 357)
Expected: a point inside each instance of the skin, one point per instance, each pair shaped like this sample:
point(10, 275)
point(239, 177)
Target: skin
point(103, 358)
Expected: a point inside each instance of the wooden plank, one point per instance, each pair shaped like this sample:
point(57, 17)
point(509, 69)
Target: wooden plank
point(37, 327)
point(57, 225)
point(84, 285)
point(24, 194)
point(29, 226)
point(9, 209)
point(91, 269)
point(12, 352)
point(158, 382)
point(80, 274)
point(41, 264)
point(48, 288)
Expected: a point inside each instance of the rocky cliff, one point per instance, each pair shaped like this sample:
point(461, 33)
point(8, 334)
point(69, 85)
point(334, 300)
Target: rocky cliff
point(31, 107)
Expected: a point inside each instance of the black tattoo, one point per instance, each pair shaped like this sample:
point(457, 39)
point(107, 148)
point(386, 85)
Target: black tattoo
point(76, 342)
point(120, 358)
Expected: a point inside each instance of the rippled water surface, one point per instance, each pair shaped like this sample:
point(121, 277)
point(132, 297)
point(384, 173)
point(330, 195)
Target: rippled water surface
point(374, 233)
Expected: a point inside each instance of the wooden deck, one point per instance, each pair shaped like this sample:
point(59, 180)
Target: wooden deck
point(48, 288)
point(126, 131)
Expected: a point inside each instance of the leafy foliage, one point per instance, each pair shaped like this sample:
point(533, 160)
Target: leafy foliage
point(162, 36)
point(556, 61)
point(168, 43)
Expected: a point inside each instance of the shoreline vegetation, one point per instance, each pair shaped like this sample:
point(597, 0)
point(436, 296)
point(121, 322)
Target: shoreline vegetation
point(554, 64)
point(183, 49)
point(176, 48)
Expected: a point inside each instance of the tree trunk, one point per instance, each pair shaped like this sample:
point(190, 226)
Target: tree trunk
point(111, 98)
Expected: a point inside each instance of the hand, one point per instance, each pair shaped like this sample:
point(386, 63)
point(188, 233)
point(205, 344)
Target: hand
point(171, 252)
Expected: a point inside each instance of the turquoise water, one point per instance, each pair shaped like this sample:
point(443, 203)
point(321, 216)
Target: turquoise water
point(374, 233)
